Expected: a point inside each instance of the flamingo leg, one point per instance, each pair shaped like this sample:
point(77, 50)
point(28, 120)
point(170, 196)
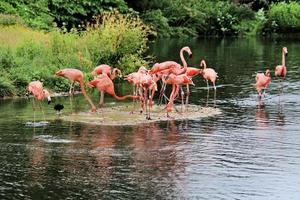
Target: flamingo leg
point(142, 99)
point(207, 84)
point(182, 99)
point(71, 90)
point(33, 107)
point(71, 102)
point(187, 96)
point(215, 93)
point(146, 102)
point(101, 102)
point(150, 105)
point(162, 92)
point(207, 97)
point(94, 109)
point(172, 97)
point(133, 100)
point(42, 111)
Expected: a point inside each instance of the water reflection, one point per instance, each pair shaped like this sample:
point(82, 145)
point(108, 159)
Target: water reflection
point(249, 151)
point(280, 118)
point(261, 115)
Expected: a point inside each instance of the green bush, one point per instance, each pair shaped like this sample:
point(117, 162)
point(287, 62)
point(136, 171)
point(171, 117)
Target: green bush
point(284, 17)
point(7, 20)
point(114, 39)
point(6, 87)
point(7, 60)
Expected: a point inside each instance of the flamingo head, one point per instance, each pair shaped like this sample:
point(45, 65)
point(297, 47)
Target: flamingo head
point(94, 73)
point(60, 73)
point(285, 51)
point(203, 64)
point(188, 50)
point(118, 72)
point(191, 82)
point(47, 95)
point(268, 73)
point(143, 70)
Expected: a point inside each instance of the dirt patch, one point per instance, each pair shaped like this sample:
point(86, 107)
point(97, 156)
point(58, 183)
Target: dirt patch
point(122, 115)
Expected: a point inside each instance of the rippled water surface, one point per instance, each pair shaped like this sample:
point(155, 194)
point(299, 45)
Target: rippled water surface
point(250, 151)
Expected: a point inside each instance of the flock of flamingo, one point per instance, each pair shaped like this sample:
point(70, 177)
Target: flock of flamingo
point(144, 82)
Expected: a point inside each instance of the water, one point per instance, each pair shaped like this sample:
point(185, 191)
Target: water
point(247, 152)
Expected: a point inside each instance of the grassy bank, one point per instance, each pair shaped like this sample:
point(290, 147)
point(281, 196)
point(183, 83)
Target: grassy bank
point(26, 54)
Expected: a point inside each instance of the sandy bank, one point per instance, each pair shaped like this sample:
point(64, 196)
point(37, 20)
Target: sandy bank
point(122, 116)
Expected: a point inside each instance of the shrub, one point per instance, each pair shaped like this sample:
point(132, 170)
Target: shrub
point(6, 87)
point(284, 17)
point(6, 58)
point(7, 20)
point(27, 55)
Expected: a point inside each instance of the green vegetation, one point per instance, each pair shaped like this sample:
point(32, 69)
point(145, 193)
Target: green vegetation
point(39, 37)
point(26, 55)
point(284, 17)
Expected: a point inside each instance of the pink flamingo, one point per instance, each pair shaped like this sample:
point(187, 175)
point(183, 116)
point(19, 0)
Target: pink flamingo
point(209, 74)
point(262, 81)
point(176, 81)
point(111, 73)
point(75, 75)
point(191, 72)
point(36, 89)
point(147, 84)
point(135, 79)
point(280, 70)
point(104, 84)
point(39, 93)
point(171, 67)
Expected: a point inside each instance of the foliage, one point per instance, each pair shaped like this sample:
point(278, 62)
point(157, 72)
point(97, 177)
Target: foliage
point(113, 38)
point(283, 17)
point(71, 13)
point(34, 13)
point(7, 20)
point(6, 87)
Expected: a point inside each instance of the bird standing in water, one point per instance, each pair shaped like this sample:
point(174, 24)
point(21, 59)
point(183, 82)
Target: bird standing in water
point(262, 82)
point(58, 107)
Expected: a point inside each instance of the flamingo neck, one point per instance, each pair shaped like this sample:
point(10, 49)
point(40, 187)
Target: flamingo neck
point(203, 63)
point(283, 59)
point(123, 97)
point(182, 59)
point(114, 73)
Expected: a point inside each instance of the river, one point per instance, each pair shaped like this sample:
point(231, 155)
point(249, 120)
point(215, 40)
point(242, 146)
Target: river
point(250, 151)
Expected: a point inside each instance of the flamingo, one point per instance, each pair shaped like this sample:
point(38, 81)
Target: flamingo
point(111, 73)
point(134, 79)
point(36, 89)
point(176, 81)
point(262, 81)
point(39, 93)
point(148, 84)
point(75, 75)
point(191, 72)
point(171, 67)
point(104, 84)
point(280, 70)
point(209, 74)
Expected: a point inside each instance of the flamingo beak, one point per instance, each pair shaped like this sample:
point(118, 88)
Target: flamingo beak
point(191, 55)
point(286, 54)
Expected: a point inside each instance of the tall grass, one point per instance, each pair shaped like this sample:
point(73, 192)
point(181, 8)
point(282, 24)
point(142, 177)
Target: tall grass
point(25, 55)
